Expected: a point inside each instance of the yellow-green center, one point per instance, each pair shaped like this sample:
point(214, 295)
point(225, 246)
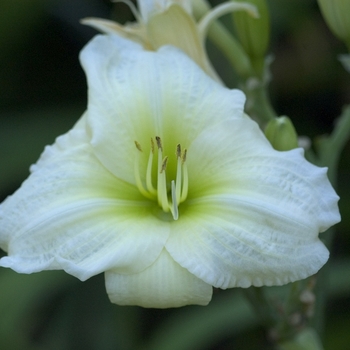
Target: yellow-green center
point(159, 192)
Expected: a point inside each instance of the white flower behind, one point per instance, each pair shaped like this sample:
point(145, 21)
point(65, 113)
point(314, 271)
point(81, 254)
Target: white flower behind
point(106, 198)
point(170, 22)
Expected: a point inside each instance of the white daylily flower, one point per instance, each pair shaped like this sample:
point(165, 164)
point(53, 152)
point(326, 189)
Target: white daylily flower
point(208, 202)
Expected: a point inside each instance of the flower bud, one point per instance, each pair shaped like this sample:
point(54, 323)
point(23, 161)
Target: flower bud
point(254, 33)
point(281, 134)
point(337, 16)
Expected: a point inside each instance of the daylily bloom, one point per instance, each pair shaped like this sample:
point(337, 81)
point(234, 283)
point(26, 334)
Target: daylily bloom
point(167, 187)
point(170, 22)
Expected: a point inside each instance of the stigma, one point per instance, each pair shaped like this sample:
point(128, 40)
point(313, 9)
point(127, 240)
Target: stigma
point(168, 193)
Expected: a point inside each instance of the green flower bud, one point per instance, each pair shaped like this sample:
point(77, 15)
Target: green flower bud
point(254, 33)
point(337, 16)
point(281, 134)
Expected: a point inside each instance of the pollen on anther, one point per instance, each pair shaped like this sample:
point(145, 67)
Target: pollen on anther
point(152, 146)
point(164, 164)
point(138, 146)
point(178, 151)
point(184, 155)
point(159, 143)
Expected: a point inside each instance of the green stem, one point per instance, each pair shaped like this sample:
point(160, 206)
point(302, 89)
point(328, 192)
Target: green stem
point(330, 147)
point(231, 49)
point(329, 151)
point(318, 319)
point(261, 306)
point(258, 104)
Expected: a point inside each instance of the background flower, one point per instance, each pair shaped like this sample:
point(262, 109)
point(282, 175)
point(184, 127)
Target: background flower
point(170, 22)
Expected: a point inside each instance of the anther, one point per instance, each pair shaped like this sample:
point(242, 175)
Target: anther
point(178, 151)
point(138, 146)
point(164, 164)
point(184, 155)
point(159, 143)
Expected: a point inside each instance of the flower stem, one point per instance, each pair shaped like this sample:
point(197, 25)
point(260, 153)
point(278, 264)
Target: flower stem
point(329, 151)
point(330, 147)
point(258, 104)
point(261, 306)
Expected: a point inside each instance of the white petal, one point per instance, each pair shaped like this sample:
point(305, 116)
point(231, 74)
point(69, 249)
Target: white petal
point(253, 214)
point(135, 32)
point(73, 214)
point(143, 94)
point(162, 285)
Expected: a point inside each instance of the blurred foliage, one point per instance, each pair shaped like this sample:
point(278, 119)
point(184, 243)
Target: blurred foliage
point(43, 93)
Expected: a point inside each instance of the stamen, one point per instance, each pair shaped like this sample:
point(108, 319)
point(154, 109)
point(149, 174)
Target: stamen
point(184, 156)
point(162, 190)
point(178, 173)
point(159, 168)
point(138, 146)
point(174, 207)
point(184, 192)
point(137, 173)
point(178, 151)
point(179, 186)
point(159, 143)
point(161, 178)
point(164, 164)
point(149, 183)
